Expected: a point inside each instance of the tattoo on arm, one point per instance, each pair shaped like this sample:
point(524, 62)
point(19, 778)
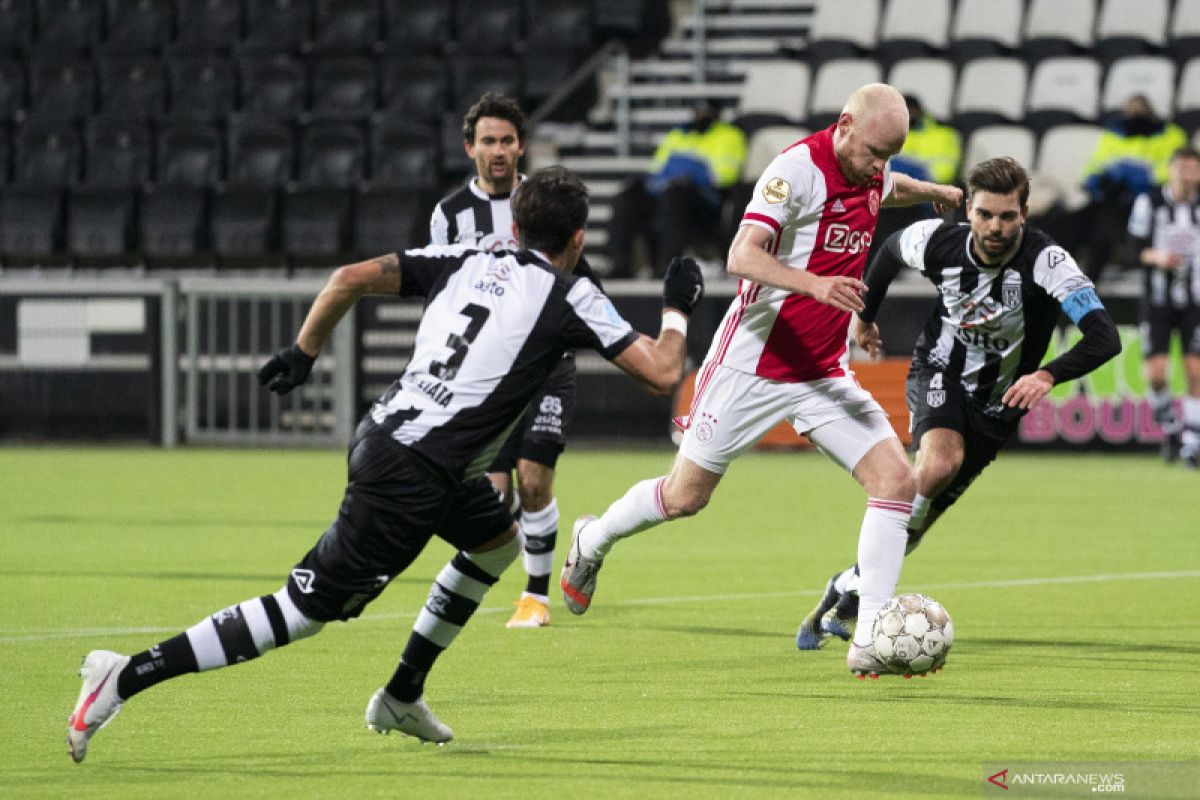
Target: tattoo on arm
point(389, 264)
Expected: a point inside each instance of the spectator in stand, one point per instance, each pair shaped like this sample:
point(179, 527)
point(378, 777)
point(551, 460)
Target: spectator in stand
point(932, 152)
point(694, 166)
point(1130, 159)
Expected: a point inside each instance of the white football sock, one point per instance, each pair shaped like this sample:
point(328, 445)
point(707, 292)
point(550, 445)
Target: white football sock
point(1161, 402)
point(847, 581)
point(881, 543)
point(1191, 426)
point(540, 529)
point(641, 508)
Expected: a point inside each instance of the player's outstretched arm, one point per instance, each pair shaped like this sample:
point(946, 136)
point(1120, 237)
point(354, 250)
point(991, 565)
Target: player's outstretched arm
point(749, 259)
point(290, 367)
point(657, 364)
point(908, 191)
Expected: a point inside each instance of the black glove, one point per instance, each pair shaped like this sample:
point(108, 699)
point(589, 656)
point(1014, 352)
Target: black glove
point(683, 285)
point(286, 370)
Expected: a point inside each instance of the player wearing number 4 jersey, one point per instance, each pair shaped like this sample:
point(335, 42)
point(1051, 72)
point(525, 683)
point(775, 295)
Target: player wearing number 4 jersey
point(977, 367)
point(781, 351)
point(495, 325)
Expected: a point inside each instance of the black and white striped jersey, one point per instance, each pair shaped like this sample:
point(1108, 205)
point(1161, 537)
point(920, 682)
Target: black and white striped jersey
point(494, 326)
point(472, 217)
point(992, 324)
point(1160, 221)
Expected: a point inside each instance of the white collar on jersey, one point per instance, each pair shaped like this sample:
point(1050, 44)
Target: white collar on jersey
point(482, 195)
point(543, 257)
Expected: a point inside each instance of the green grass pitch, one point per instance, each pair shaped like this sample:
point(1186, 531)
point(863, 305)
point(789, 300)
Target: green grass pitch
point(1074, 583)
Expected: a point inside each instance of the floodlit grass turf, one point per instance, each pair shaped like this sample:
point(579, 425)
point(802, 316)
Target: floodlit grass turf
point(683, 679)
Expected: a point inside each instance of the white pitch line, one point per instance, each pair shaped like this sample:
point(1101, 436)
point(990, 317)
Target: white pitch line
point(43, 636)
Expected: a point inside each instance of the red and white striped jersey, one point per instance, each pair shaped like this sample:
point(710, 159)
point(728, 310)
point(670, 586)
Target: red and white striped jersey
point(820, 223)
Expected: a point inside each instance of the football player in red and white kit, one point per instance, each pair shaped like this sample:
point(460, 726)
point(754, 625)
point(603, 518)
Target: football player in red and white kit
point(781, 351)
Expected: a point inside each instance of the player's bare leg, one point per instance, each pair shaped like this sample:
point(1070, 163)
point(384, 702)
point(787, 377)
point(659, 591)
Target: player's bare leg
point(539, 525)
point(684, 491)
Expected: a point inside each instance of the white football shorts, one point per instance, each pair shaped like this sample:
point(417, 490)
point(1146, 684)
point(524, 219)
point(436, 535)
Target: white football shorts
point(734, 409)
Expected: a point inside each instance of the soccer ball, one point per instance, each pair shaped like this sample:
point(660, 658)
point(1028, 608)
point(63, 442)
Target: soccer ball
point(912, 634)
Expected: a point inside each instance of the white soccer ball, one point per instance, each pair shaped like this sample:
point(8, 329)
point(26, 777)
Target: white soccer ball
point(913, 634)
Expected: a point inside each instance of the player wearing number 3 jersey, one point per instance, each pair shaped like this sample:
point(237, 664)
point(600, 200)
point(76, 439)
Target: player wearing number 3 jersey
point(781, 351)
point(494, 326)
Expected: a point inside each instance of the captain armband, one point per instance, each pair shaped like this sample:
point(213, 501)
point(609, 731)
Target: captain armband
point(1079, 303)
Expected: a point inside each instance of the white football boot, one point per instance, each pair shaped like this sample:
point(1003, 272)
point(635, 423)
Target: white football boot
point(386, 714)
point(578, 579)
point(863, 662)
point(98, 701)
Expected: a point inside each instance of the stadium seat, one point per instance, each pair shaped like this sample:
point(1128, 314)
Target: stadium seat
point(387, 219)
point(544, 70)
point(244, 226)
point(278, 24)
point(5, 156)
point(61, 87)
point(16, 25)
point(172, 225)
point(913, 28)
point(272, 86)
point(31, 226)
point(135, 86)
point(346, 26)
point(138, 25)
point(332, 154)
point(985, 28)
point(1063, 90)
point(261, 152)
point(68, 26)
point(201, 88)
point(1058, 28)
point(843, 29)
point(118, 151)
point(213, 23)
point(1153, 76)
point(773, 93)
point(834, 82)
point(990, 91)
point(189, 154)
point(314, 225)
point(418, 87)
point(995, 141)
point(487, 26)
point(764, 145)
point(100, 225)
point(931, 80)
point(1130, 28)
point(559, 24)
point(455, 164)
point(1183, 40)
point(1062, 155)
point(405, 154)
point(48, 153)
point(416, 28)
point(343, 87)
point(12, 87)
point(639, 23)
point(1187, 99)
point(472, 76)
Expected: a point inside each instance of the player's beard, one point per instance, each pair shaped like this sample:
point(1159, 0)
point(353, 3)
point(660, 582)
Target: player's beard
point(995, 248)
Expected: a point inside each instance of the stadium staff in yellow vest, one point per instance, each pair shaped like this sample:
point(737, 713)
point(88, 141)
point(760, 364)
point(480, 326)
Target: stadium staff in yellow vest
point(1130, 159)
point(932, 152)
point(694, 165)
